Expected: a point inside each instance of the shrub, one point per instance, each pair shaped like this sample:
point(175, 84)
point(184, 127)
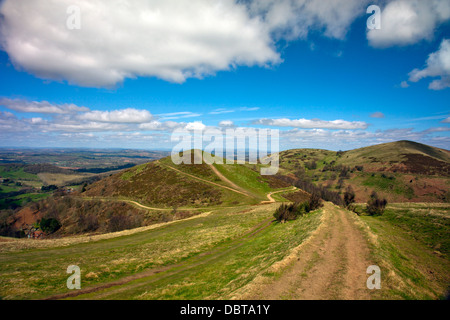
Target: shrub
point(51, 187)
point(349, 197)
point(375, 206)
point(119, 222)
point(315, 202)
point(50, 225)
point(288, 212)
point(311, 165)
point(323, 192)
point(87, 222)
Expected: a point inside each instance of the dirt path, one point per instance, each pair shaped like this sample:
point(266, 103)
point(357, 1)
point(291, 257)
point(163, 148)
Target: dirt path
point(233, 187)
point(331, 265)
point(207, 181)
point(272, 200)
point(227, 181)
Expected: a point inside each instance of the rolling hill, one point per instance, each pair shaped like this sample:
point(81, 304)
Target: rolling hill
point(402, 171)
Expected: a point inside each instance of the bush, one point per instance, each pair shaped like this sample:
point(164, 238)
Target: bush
point(119, 222)
point(315, 202)
point(51, 187)
point(375, 206)
point(349, 197)
point(288, 212)
point(87, 222)
point(50, 225)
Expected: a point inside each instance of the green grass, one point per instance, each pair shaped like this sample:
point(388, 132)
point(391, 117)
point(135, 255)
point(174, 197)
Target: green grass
point(18, 175)
point(426, 223)
point(130, 173)
point(233, 264)
point(37, 273)
point(387, 183)
point(405, 251)
point(246, 178)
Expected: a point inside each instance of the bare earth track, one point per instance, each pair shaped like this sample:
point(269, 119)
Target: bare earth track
point(331, 265)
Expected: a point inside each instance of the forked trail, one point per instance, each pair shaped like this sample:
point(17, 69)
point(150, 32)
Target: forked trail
point(332, 264)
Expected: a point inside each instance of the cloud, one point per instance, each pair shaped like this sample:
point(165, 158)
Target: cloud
point(312, 124)
point(242, 109)
point(406, 22)
point(129, 115)
point(404, 84)
point(26, 106)
point(171, 40)
point(197, 125)
point(346, 139)
point(160, 126)
point(437, 65)
point(292, 19)
point(446, 120)
point(378, 115)
point(249, 109)
point(226, 124)
point(222, 111)
point(179, 115)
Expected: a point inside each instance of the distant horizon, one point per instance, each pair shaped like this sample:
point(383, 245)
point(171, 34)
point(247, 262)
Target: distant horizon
point(170, 149)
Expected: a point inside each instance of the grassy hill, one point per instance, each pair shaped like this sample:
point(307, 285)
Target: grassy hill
point(400, 171)
point(163, 184)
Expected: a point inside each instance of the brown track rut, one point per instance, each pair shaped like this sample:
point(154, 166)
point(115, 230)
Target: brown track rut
point(207, 181)
point(330, 266)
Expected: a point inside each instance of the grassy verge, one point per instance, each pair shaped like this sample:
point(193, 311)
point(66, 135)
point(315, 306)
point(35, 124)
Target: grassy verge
point(402, 245)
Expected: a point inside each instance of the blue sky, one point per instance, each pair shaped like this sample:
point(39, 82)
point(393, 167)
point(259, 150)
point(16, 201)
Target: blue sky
point(325, 84)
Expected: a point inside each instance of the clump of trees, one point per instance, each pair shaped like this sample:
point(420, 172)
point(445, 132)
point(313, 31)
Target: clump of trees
point(321, 191)
point(51, 187)
point(375, 205)
point(288, 212)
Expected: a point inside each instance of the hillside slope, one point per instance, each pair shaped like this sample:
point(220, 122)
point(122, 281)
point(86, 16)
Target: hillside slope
point(400, 171)
point(163, 184)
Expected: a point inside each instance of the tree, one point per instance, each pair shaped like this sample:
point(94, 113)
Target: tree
point(49, 225)
point(349, 197)
point(315, 202)
point(375, 205)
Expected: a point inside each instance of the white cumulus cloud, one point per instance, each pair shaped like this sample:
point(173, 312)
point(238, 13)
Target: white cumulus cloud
point(406, 22)
point(171, 39)
point(293, 19)
point(437, 65)
point(26, 106)
point(129, 115)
